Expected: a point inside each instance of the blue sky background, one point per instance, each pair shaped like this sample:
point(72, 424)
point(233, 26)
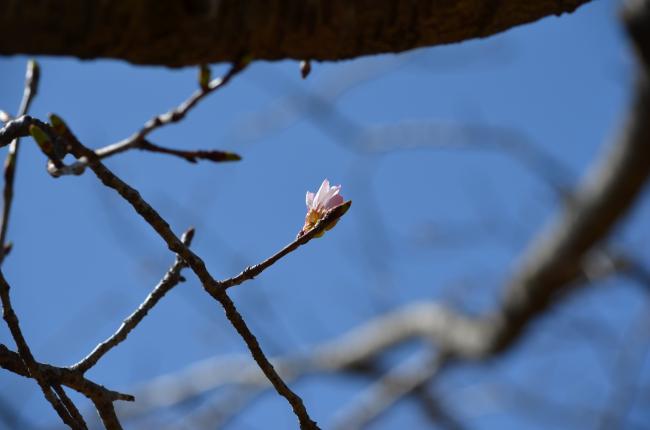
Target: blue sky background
point(439, 212)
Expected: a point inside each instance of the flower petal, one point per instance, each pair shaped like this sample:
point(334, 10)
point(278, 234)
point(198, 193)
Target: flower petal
point(334, 191)
point(309, 199)
point(319, 199)
point(333, 202)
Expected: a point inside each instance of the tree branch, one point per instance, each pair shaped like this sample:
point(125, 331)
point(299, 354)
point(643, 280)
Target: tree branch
point(210, 285)
point(171, 278)
point(172, 33)
point(137, 139)
point(252, 271)
point(12, 362)
point(32, 76)
point(25, 354)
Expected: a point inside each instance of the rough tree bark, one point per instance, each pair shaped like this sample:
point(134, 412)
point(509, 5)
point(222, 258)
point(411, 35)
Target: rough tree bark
point(190, 32)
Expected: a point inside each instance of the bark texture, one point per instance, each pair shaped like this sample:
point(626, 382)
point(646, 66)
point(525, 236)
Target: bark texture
point(189, 32)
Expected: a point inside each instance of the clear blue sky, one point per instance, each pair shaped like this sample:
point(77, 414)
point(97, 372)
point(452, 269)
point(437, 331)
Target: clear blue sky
point(428, 220)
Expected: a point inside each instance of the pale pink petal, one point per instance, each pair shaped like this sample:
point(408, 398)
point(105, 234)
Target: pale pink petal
point(325, 185)
point(309, 199)
point(334, 202)
point(320, 194)
point(333, 191)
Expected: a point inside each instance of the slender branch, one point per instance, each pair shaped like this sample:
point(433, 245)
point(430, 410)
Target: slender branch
point(32, 76)
point(70, 406)
point(190, 156)
point(137, 139)
point(18, 127)
point(12, 362)
point(252, 271)
point(211, 286)
point(171, 278)
point(28, 359)
point(106, 412)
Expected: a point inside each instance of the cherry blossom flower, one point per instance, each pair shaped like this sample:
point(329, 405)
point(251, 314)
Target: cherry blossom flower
point(318, 204)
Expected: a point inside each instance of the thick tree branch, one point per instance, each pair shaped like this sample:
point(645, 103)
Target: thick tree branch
point(182, 33)
point(555, 259)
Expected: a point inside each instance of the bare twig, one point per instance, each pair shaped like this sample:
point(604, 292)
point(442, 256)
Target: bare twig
point(31, 86)
point(106, 411)
point(191, 156)
point(252, 271)
point(12, 362)
point(169, 281)
point(28, 359)
point(70, 406)
point(18, 127)
point(137, 139)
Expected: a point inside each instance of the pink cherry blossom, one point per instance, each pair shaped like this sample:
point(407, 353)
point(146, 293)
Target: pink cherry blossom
point(325, 198)
point(319, 203)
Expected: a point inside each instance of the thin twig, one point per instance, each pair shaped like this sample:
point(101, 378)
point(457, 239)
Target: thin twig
point(70, 406)
point(171, 278)
point(32, 76)
point(106, 412)
point(252, 271)
point(191, 156)
point(18, 127)
point(137, 139)
point(12, 362)
point(212, 287)
point(28, 359)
